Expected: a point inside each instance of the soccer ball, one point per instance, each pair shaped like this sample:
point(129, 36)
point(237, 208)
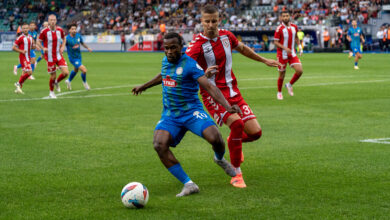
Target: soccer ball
point(135, 195)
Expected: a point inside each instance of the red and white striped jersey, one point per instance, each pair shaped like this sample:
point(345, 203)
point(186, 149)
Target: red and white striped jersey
point(218, 51)
point(286, 36)
point(52, 40)
point(24, 42)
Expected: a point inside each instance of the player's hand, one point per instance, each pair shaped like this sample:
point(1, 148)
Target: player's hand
point(300, 50)
point(89, 49)
point(234, 109)
point(272, 63)
point(45, 49)
point(23, 51)
point(211, 71)
point(62, 50)
point(288, 50)
point(138, 90)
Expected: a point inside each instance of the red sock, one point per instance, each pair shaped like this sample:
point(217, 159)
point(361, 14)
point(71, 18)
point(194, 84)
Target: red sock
point(235, 142)
point(295, 78)
point(23, 78)
point(280, 84)
point(60, 77)
point(252, 137)
point(51, 84)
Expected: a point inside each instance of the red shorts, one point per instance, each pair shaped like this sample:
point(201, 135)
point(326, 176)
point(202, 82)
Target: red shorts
point(52, 66)
point(26, 65)
point(291, 60)
point(219, 113)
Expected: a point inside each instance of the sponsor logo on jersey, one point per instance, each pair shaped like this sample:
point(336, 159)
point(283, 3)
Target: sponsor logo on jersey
point(179, 70)
point(226, 42)
point(168, 82)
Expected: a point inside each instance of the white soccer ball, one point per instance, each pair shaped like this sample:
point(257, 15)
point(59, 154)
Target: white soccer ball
point(135, 195)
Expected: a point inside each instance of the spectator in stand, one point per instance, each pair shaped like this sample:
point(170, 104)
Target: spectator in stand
point(380, 36)
point(123, 41)
point(326, 37)
point(141, 42)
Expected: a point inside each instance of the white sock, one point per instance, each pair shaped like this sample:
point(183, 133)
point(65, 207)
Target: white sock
point(188, 182)
point(238, 170)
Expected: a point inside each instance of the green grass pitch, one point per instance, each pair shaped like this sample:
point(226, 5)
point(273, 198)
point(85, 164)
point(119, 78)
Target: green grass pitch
point(69, 158)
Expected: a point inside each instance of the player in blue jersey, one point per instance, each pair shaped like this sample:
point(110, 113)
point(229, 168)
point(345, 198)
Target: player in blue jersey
point(73, 42)
point(33, 33)
point(355, 36)
point(182, 110)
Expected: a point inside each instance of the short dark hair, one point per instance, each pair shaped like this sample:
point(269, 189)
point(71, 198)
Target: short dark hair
point(24, 23)
point(33, 22)
point(174, 35)
point(284, 12)
point(209, 9)
point(72, 25)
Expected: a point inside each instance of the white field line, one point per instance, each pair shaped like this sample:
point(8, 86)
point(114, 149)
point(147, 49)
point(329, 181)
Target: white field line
point(149, 93)
point(310, 77)
point(377, 141)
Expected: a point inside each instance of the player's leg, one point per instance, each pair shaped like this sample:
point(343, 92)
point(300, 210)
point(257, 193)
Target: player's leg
point(282, 74)
point(64, 73)
point(52, 80)
point(169, 134)
point(356, 55)
point(25, 75)
point(72, 74)
point(295, 63)
point(83, 70)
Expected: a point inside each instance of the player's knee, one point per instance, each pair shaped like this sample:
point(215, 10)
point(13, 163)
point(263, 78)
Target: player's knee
point(216, 139)
point(237, 125)
point(160, 146)
point(256, 136)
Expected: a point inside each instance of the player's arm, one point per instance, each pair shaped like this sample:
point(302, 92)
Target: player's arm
point(16, 49)
point(279, 45)
point(362, 38)
point(298, 42)
point(154, 82)
point(248, 52)
point(62, 49)
point(215, 93)
point(39, 44)
point(86, 47)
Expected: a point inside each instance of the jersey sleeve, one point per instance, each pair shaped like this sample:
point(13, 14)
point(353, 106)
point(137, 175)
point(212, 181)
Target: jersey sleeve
point(42, 36)
point(277, 34)
point(81, 39)
point(62, 33)
point(233, 40)
point(193, 50)
point(17, 41)
point(196, 70)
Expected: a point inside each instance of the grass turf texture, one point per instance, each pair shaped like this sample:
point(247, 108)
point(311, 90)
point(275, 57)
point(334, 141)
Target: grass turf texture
point(69, 158)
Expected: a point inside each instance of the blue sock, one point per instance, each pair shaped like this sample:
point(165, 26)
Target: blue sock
point(39, 59)
point(219, 155)
point(71, 75)
point(179, 173)
point(84, 77)
point(19, 65)
point(356, 63)
point(33, 67)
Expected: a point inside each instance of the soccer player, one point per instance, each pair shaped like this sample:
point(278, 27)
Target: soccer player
point(23, 45)
point(33, 33)
point(53, 39)
point(73, 42)
point(182, 110)
point(214, 47)
point(285, 38)
point(354, 36)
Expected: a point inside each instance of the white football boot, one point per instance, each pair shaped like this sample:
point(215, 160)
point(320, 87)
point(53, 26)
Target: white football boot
point(52, 95)
point(279, 96)
point(86, 86)
point(188, 189)
point(68, 84)
point(289, 89)
point(18, 88)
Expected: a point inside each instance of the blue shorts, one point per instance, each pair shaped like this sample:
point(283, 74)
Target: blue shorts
point(356, 50)
point(196, 121)
point(32, 53)
point(76, 62)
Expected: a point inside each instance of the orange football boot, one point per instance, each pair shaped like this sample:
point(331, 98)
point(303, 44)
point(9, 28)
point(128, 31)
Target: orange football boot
point(238, 181)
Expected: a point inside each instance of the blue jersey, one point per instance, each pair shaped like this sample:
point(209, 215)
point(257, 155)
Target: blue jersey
point(73, 46)
point(354, 34)
point(33, 34)
point(180, 86)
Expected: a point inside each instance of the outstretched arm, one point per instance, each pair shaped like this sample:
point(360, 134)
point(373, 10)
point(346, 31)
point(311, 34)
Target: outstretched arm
point(216, 94)
point(248, 52)
point(155, 81)
point(86, 47)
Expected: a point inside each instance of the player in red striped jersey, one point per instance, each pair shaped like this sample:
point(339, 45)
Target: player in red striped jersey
point(53, 39)
point(23, 45)
point(214, 47)
point(285, 39)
